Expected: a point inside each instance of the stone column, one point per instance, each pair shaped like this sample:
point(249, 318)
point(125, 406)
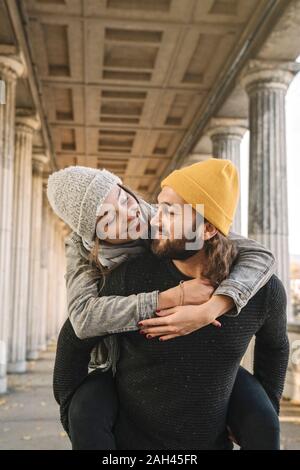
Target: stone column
point(42, 342)
point(26, 124)
point(62, 311)
point(10, 69)
point(59, 281)
point(195, 158)
point(35, 298)
point(51, 278)
point(64, 268)
point(266, 85)
point(226, 135)
point(57, 285)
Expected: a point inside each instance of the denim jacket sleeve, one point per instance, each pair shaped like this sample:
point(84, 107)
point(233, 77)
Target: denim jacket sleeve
point(90, 314)
point(254, 267)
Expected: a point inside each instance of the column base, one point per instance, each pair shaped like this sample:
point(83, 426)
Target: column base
point(3, 385)
point(32, 355)
point(17, 367)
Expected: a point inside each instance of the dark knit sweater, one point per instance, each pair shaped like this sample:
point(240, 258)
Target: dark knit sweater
point(175, 394)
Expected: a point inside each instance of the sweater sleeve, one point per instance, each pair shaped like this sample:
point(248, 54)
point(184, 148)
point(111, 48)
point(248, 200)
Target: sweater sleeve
point(272, 345)
point(92, 313)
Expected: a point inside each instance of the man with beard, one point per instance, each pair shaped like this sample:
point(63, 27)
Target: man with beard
point(175, 394)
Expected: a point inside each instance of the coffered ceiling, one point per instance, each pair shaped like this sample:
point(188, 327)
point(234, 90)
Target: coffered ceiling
point(122, 80)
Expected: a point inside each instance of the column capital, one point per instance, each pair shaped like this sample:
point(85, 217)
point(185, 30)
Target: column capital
point(195, 158)
point(12, 66)
point(269, 74)
point(46, 175)
point(45, 181)
point(39, 159)
point(235, 127)
point(27, 119)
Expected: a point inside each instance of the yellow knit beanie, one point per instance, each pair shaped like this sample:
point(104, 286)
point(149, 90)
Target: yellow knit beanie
point(213, 183)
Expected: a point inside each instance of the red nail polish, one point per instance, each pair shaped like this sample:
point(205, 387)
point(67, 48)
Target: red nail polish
point(149, 336)
point(141, 332)
point(157, 311)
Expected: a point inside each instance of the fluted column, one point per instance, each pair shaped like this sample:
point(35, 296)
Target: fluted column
point(266, 85)
point(56, 312)
point(35, 298)
point(60, 281)
point(51, 277)
point(226, 135)
point(62, 311)
point(64, 289)
point(10, 69)
point(26, 125)
point(42, 341)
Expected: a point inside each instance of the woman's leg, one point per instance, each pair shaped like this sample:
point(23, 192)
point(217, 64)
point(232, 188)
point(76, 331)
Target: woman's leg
point(92, 413)
point(252, 418)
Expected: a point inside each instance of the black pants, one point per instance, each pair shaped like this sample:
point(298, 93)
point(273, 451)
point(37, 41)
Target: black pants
point(252, 417)
point(94, 407)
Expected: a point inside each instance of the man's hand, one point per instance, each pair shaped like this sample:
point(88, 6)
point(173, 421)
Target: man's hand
point(195, 291)
point(183, 320)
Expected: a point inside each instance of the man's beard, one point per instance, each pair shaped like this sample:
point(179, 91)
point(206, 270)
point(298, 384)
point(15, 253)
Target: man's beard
point(172, 249)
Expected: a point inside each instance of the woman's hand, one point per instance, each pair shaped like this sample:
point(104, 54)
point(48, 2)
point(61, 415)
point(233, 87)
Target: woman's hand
point(183, 320)
point(177, 321)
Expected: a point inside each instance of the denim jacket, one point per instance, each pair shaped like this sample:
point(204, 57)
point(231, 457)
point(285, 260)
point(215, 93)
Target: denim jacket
point(93, 315)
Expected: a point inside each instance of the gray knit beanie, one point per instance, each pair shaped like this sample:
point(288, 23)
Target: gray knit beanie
point(76, 193)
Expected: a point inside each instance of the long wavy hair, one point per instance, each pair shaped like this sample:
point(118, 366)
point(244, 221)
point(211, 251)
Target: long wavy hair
point(221, 254)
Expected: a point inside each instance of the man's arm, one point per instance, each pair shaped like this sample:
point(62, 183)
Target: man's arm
point(272, 345)
point(254, 266)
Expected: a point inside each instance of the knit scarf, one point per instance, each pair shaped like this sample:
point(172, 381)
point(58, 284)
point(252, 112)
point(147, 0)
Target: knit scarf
point(111, 255)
